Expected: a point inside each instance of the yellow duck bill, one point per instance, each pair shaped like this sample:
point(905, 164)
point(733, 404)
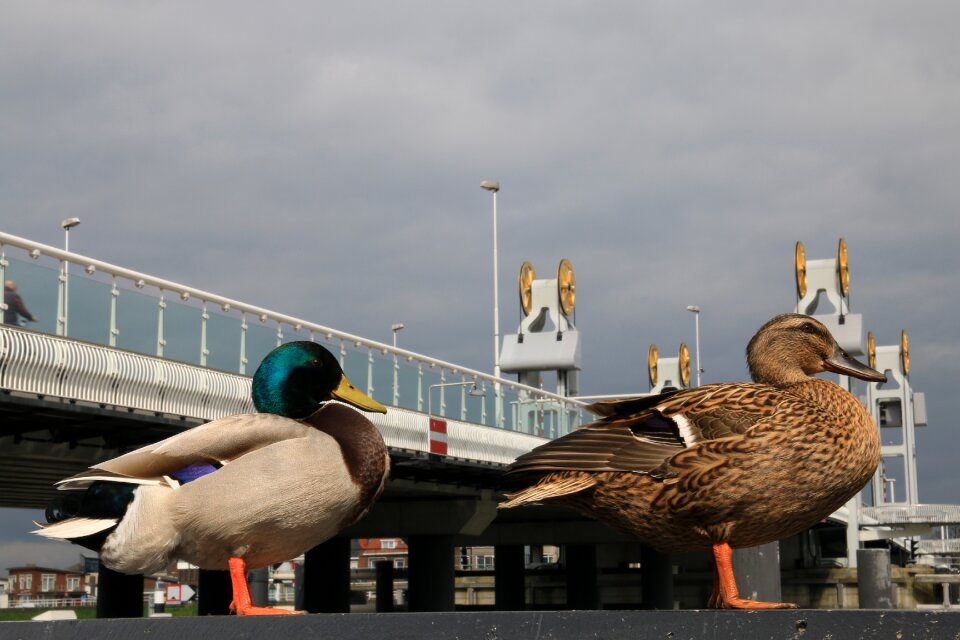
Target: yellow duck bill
point(348, 393)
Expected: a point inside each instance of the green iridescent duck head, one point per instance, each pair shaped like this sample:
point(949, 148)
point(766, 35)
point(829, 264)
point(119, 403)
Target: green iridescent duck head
point(297, 377)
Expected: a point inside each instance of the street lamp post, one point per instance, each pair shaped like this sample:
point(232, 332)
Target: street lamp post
point(493, 187)
point(64, 303)
point(695, 310)
point(396, 328)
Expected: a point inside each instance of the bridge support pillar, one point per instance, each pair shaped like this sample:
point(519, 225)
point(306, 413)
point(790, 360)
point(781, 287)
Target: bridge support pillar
point(656, 578)
point(214, 592)
point(259, 587)
point(583, 589)
point(326, 577)
point(119, 595)
point(431, 573)
point(873, 579)
point(384, 570)
point(757, 570)
point(509, 573)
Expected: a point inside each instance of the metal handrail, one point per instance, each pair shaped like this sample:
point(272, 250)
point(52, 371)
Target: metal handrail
point(142, 279)
point(914, 513)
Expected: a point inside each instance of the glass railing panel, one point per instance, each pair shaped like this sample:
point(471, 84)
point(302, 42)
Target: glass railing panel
point(89, 308)
point(38, 287)
point(181, 330)
point(137, 314)
point(261, 340)
point(408, 382)
point(475, 404)
point(223, 341)
point(382, 377)
point(355, 366)
point(431, 393)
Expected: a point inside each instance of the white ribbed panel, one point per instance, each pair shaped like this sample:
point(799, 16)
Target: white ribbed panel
point(408, 430)
point(48, 365)
point(52, 366)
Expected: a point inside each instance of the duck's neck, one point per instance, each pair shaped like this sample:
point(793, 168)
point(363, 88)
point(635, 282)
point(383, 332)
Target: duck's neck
point(775, 365)
point(361, 444)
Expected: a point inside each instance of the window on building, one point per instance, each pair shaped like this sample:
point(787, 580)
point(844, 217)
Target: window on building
point(548, 557)
point(399, 563)
point(484, 562)
point(388, 544)
point(73, 583)
point(26, 582)
point(47, 582)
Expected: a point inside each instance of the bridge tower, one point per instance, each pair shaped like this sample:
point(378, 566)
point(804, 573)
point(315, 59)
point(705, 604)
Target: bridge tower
point(830, 278)
point(668, 372)
point(897, 410)
point(547, 339)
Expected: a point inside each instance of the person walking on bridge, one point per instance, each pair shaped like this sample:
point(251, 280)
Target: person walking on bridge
point(14, 304)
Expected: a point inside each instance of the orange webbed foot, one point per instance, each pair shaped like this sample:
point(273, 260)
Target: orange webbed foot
point(725, 594)
point(242, 603)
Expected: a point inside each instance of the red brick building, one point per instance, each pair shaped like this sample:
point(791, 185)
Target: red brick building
point(374, 549)
point(30, 584)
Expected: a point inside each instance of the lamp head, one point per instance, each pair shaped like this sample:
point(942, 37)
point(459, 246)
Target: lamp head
point(490, 185)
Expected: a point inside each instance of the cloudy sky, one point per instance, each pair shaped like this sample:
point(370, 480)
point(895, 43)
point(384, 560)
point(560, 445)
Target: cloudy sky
point(324, 161)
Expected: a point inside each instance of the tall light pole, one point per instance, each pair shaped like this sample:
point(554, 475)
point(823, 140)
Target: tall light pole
point(67, 224)
point(396, 328)
point(493, 187)
point(695, 310)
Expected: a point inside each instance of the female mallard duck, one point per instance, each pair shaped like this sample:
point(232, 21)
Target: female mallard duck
point(722, 465)
point(244, 491)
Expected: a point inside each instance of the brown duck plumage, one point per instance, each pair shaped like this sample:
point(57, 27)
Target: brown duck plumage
point(723, 465)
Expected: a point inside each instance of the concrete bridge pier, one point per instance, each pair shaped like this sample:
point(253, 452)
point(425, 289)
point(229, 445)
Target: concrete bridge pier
point(214, 592)
point(509, 574)
point(656, 578)
point(431, 573)
point(119, 595)
point(384, 585)
point(583, 589)
point(326, 577)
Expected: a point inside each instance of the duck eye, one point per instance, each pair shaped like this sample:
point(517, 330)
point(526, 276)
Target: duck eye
point(315, 362)
point(808, 327)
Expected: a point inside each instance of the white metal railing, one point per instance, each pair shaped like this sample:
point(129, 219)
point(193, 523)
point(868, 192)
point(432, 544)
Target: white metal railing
point(531, 408)
point(940, 547)
point(914, 514)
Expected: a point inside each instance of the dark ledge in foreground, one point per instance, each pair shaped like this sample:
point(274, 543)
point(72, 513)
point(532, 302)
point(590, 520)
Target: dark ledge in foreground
point(540, 625)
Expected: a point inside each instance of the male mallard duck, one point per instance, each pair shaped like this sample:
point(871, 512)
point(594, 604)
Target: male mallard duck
point(244, 491)
point(722, 465)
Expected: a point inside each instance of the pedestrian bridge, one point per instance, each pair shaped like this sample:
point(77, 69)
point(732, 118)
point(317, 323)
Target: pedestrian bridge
point(121, 358)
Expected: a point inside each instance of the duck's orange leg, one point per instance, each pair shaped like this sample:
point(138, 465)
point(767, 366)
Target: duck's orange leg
point(728, 596)
point(242, 602)
point(714, 601)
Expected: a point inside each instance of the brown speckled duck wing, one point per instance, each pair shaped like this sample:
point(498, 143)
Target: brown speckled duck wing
point(597, 447)
point(639, 434)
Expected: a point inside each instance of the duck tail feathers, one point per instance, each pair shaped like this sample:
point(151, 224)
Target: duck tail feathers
point(73, 528)
point(551, 486)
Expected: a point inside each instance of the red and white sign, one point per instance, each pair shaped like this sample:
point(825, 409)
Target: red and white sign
point(438, 436)
point(179, 593)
